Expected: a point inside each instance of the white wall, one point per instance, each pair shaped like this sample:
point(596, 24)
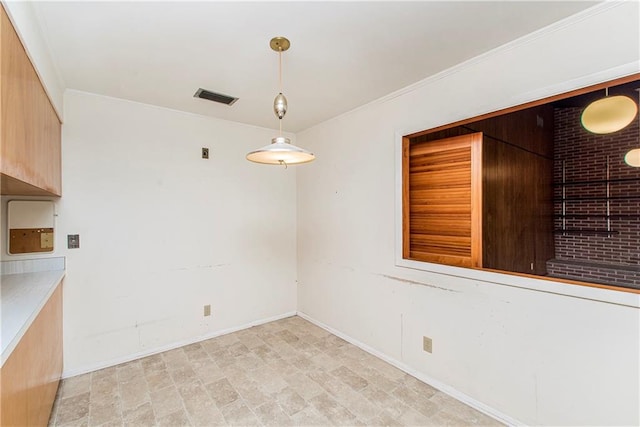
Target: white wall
point(532, 351)
point(164, 232)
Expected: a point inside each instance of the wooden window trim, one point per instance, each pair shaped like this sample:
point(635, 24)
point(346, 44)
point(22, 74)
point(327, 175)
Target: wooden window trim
point(547, 100)
point(565, 281)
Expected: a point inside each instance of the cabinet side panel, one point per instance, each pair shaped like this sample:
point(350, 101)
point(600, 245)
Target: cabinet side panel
point(30, 129)
point(530, 129)
point(516, 218)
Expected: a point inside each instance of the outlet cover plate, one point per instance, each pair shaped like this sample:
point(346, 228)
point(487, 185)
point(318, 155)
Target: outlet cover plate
point(207, 310)
point(427, 344)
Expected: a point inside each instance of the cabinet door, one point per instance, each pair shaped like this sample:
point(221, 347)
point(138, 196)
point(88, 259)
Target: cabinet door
point(29, 377)
point(29, 127)
point(442, 207)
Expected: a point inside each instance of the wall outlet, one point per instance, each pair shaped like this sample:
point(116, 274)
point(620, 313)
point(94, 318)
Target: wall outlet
point(205, 153)
point(427, 344)
point(207, 310)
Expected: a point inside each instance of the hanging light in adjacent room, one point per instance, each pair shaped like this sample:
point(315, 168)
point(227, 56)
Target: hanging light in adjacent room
point(632, 158)
point(280, 151)
point(609, 114)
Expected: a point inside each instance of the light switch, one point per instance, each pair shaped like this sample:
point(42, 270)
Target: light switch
point(73, 241)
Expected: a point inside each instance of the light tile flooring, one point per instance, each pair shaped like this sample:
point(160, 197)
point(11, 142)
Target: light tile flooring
point(288, 372)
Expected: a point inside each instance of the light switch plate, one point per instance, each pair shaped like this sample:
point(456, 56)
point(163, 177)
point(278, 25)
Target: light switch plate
point(73, 241)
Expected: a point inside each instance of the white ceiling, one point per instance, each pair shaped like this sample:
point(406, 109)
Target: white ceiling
point(343, 54)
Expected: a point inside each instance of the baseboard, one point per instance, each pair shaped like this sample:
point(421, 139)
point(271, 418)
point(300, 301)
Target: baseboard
point(171, 346)
point(485, 409)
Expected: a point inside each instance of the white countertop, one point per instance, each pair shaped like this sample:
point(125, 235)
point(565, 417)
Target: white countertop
point(22, 297)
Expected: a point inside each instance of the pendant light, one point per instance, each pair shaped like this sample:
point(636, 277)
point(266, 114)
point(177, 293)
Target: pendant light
point(280, 151)
point(609, 114)
point(632, 158)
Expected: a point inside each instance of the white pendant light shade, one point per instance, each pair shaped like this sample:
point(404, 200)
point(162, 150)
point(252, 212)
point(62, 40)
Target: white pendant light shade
point(280, 152)
point(632, 158)
point(609, 114)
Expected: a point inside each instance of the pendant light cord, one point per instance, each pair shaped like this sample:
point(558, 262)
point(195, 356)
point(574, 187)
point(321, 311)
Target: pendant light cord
point(280, 83)
point(280, 69)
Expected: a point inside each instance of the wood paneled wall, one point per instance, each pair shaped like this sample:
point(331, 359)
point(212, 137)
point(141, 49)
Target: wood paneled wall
point(517, 209)
point(518, 196)
point(530, 129)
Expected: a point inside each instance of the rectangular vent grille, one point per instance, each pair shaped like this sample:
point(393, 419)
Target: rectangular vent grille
point(215, 97)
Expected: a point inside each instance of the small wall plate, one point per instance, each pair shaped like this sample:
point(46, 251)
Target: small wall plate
point(73, 241)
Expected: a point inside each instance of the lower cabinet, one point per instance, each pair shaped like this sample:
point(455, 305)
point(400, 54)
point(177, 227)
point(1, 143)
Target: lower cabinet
point(29, 378)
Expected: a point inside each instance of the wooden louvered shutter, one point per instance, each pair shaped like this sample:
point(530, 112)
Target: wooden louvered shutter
point(442, 200)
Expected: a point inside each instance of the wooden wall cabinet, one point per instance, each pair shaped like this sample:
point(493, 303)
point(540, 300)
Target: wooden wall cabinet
point(29, 377)
point(516, 211)
point(30, 131)
point(442, 192)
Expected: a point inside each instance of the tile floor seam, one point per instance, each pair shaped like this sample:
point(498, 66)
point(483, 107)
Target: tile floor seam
point(184, 408)
point(246, 404)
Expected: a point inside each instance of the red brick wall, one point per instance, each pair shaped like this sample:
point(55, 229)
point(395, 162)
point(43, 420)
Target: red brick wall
point(601, 258)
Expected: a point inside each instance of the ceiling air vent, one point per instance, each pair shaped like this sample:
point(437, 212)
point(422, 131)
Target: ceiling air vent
point(215, 97)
